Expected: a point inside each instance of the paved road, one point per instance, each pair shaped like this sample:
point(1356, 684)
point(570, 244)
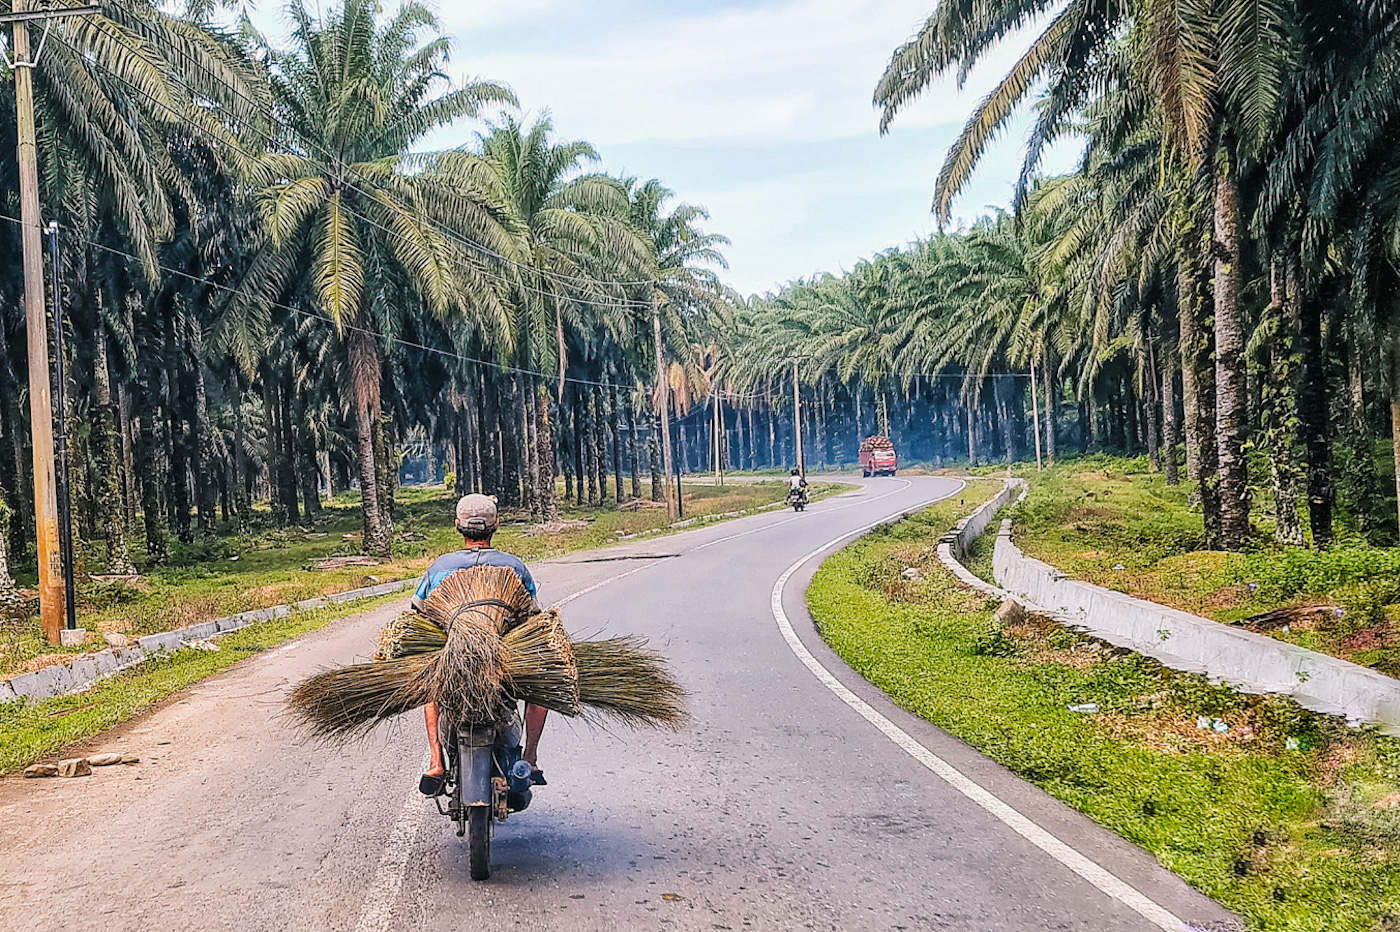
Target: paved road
point(800, 799)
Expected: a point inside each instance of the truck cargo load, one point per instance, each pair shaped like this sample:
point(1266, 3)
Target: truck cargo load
point(877, 457)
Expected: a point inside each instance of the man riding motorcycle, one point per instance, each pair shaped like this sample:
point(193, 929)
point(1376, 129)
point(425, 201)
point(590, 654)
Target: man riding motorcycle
point(477, 521)
point(797, 488)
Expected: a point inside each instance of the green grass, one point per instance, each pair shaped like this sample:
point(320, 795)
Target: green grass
point(1290, 839)
point(32, 730)
point(1111, 522)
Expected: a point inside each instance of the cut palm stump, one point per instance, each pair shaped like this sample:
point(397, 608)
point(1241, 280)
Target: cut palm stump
point(475, 650)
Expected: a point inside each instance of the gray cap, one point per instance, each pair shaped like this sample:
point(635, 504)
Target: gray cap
point(476, 513)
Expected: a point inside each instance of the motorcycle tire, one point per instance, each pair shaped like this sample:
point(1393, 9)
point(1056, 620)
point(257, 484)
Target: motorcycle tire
point(479, 841)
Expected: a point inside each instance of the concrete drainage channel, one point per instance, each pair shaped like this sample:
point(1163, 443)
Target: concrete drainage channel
point(1249, 662)
point(86, 669)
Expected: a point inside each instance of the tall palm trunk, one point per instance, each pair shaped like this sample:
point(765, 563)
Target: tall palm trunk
point(614, 425)
point(658, 490)
point(1395, 401)
point(204, 473)
point(1280, 411)
point(1312, 418)
point(152, 472)
point(633, 450)
point(364, 375)
point(1360, 443)
point(1170, 431)
point(546, 500)
point(179, 475)
point(242, 508)
point(108, 466)
point(1231, 388)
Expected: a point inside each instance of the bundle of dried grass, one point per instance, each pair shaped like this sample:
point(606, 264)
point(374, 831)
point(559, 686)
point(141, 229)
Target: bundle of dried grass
point(407, 634)
point(466, 678)
point(538, 658)
point(347, 703)
point(621, 678)
point(456, 655)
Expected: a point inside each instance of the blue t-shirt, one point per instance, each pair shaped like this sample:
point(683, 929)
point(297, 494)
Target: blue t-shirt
point(449, 563)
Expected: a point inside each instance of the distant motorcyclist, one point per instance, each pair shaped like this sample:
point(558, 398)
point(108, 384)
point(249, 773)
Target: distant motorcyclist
point(797, 486)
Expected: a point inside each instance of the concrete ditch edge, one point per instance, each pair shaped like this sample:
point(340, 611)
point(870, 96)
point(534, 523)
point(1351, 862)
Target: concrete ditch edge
point(84, 670)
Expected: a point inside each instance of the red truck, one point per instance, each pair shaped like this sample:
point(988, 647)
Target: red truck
point(877, 457)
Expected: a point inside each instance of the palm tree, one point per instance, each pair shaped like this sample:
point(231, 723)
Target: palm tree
point(573, 243)
point(348, 205)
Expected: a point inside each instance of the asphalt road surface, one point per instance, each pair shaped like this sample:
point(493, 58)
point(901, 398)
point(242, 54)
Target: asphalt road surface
point(801, 798)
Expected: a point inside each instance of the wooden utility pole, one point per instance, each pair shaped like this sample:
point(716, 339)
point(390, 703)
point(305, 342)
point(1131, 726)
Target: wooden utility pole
point(797, 421)
point(52, 607)
point(663, 405)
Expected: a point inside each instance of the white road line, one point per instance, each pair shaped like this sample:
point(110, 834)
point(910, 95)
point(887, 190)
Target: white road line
point(1095, 874)
point(383, 890)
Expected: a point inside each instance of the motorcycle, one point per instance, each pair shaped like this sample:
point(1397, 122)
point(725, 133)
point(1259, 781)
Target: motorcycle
point(487, 780)
point(797, 498)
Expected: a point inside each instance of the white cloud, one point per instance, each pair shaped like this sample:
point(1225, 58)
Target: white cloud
point(798, 70)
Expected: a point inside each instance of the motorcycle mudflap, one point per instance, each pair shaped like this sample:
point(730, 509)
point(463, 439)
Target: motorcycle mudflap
point(477, 747)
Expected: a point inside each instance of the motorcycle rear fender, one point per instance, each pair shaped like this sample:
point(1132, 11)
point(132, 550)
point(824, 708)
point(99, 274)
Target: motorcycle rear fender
point(478, 767)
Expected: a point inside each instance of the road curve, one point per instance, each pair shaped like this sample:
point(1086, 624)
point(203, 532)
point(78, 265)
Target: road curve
point(801, 798)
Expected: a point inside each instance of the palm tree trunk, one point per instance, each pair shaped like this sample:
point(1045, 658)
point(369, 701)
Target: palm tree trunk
point(126, 435)
point(1279, 414)
point(658, 489)
point(633, 452)
point(241, 506)
point(152, 473)
point(1312, 416)
point(179, 475)
point(547, 501)
point(364, 376)
point(1231, 389)
point(206, 493)
point(1365, 484)
point(1395, 401)
point(614, 421)
point(108, 467)
point(1170, 430)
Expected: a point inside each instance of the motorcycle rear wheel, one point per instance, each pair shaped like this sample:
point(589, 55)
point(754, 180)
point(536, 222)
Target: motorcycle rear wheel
point(479, 841)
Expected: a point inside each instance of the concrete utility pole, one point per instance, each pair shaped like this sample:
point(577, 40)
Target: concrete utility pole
point(663, 406)
point(797, 420)
point(52, 604)
point(1035, 419)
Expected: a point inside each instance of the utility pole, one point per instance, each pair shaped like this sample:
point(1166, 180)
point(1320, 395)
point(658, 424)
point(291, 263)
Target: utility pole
point(53, 606)
point(797, 421)
point(663, 406)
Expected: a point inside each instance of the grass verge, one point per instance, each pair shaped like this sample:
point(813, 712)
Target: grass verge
point(1290, 819)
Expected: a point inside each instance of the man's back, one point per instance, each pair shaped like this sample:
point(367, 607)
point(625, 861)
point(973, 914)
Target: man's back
point(449, 563)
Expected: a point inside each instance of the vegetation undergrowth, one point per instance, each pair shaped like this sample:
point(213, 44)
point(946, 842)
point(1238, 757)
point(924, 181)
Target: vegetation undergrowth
point(236, 573)
point(32, 730)
point(1289, 818)
point(1110, 521)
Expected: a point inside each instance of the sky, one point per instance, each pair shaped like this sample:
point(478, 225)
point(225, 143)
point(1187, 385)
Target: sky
point(758, 110)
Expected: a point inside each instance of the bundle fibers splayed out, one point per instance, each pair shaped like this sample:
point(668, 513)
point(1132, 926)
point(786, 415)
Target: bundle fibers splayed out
point(476, 649)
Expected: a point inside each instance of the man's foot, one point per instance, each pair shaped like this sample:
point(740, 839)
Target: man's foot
point(537, 776)
point(432, 784)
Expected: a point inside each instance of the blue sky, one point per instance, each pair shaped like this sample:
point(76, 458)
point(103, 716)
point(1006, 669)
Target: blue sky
point(758, 110)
